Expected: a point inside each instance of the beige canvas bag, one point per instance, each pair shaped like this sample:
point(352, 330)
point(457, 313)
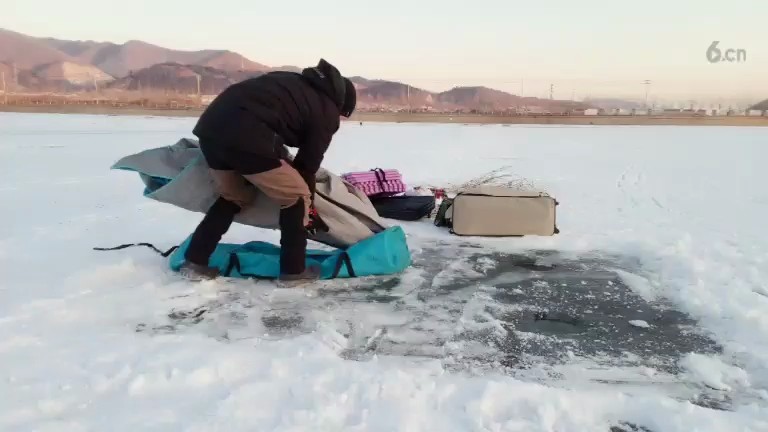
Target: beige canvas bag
point(499, 211)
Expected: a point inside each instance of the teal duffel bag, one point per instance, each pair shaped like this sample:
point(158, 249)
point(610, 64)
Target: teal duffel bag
point(384, 253)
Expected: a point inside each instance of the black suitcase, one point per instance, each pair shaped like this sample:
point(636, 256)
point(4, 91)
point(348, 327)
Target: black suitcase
point(406, 207)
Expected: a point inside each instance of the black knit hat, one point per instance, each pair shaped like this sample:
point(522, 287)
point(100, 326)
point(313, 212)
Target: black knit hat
point(350, 98)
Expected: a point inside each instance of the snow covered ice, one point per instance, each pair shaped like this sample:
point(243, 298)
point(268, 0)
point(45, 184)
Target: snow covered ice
point(648, 312)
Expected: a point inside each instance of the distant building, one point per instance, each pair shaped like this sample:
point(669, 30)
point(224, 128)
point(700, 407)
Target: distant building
point(755, 113)
point(591, 111)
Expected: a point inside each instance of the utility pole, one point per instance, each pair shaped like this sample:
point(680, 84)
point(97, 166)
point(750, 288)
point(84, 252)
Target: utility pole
point(522, 91)
point(199, 97)
point(408, 95)
point(551, 91)
point(646, 83)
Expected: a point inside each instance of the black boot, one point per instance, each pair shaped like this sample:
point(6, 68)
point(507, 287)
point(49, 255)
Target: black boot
point(206, 236)
point(293, 247)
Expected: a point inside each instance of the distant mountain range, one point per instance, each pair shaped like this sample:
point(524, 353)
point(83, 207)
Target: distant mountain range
point(48, 64)
point(116, 60)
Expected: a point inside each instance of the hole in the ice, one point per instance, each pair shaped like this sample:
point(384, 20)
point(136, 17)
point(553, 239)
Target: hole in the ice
point(505, 312)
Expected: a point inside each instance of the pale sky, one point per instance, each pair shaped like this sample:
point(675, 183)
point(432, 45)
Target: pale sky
point(584, 47)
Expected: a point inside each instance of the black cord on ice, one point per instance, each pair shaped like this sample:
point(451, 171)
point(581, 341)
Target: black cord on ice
point(149, 245)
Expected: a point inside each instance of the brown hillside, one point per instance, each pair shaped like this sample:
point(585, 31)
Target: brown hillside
point(71, 73)
point(120, 60)
point(27, 52)
point(478, 98)
point(55, 77)
point(231, 61)
point(761, 106)
point(174, 77)
point(360, 82)
point(81, 50)
point(135, 55)
point(377, 92)
point(30, 81)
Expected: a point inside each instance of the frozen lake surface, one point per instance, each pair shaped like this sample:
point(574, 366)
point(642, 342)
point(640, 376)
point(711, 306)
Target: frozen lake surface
point(649, 312)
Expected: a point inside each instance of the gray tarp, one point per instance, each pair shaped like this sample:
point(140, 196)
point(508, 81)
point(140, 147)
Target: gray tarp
point(178, 175)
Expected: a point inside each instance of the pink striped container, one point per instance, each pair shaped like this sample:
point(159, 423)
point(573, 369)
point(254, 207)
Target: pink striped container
point(377, 182)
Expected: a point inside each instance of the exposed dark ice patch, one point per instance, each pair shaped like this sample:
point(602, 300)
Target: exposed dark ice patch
point(577, 307)
point(527, 315)
point(629, 427)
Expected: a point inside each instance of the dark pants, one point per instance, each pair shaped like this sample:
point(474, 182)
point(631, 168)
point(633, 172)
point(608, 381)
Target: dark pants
point(232, 169)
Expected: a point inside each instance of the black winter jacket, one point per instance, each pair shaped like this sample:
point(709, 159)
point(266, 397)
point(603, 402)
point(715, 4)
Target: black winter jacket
point(258, 115)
